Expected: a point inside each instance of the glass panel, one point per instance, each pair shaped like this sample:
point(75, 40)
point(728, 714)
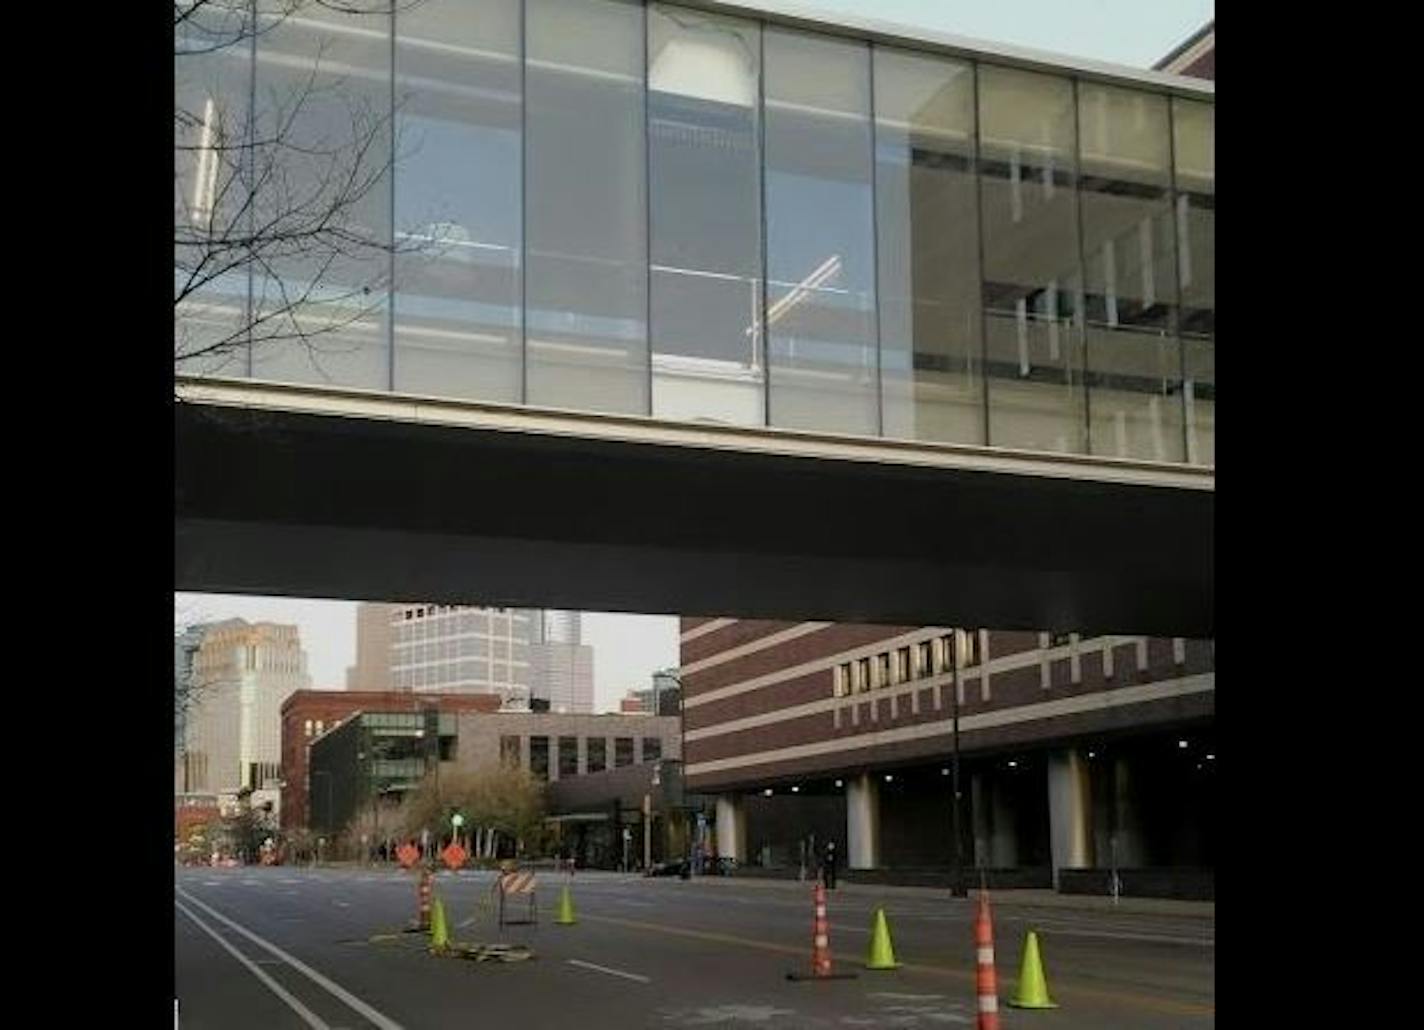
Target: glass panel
point(1031, 276)
point(1194, 131)
point(212, 78)
point(597, 754)
point(820, 256)
point(568, 756)
point(927, 221)
point(705, 197)
point(1133, 357)
point(586, 223)
point(652, 749)
point(622, 751)
point(321, 300)
point(1200, 391)
point(458, 216)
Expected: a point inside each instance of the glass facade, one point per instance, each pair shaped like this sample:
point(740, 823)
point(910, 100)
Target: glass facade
point(640, 208)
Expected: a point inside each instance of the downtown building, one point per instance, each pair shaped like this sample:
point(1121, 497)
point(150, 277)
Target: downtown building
point(1078, 754)
point(238, 675)
point(529, 658)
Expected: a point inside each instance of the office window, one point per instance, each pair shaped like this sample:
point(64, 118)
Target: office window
point(308, 727)
point(1031, 278)
point(1059, 639)
point(346, 279)
point(622, 752)
point(1133, 359)
point(1194, 133)
point(880, 670)
point(597, 759)
point(927, 220)
point(820, 248)
point(862, 675)
point(587, 289)
point(509, 753)
point(840, 677)
point(539, 757)
point(652, 749)
point(458, 317)
point(705, 199)
point(568, 756)
point(902, 659)
point(922, 659)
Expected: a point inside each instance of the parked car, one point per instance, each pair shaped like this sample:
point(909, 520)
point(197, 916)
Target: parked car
point(678, 868)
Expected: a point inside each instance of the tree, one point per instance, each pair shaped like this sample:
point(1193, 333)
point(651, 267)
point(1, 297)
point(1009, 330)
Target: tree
point(498, 802)
point(276, 239)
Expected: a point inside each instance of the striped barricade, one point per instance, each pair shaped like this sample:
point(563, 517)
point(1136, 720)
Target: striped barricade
point(514, 884)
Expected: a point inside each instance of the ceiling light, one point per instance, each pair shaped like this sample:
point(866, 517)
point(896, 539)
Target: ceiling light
point(840, 783)
point(1181, 743)
point(888, 777)
point(1013, 763)
point(767, 792)
point(796, 790)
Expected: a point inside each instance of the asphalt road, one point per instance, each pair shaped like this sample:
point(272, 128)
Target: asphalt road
point(284, 947)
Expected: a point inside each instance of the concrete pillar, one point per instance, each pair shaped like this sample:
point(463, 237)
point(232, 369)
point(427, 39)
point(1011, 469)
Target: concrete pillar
point(731, 828)
point(862, 823)
point(1070, 809)
point(979, 815)
point(1003, 840)
point(1127, 826)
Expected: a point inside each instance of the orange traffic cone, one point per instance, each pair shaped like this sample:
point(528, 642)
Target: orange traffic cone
point(987, 980)
point(820, 944)
point(422, 921)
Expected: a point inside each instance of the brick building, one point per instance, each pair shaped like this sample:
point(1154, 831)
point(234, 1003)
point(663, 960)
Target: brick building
point(1077, 754)
point(309, 713)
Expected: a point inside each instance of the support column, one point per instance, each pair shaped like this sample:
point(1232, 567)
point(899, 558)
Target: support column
point(979, 815)
point(1127, 828)
point(862, 823)
point(1004, 840)
point(1070, 808)
point(731, 828)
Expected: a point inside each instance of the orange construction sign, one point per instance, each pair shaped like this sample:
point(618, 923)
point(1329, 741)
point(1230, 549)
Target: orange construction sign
point(454, 856)
point(407, 854)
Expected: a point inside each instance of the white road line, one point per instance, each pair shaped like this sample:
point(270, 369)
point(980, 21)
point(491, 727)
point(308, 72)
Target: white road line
point(382, 1021)
point(610, 972)
point(1154, 938)
point(307, 1014)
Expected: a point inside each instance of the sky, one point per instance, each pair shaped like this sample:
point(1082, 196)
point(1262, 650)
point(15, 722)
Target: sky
point(627, 648)
point(1131, 32)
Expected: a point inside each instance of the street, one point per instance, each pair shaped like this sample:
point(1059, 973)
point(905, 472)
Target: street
point(291, 947)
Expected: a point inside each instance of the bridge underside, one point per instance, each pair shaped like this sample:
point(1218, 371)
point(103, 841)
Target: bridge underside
point(304, 504)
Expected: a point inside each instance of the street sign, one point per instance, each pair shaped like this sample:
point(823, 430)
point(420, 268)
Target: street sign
point(407, 855)
point(454, 856)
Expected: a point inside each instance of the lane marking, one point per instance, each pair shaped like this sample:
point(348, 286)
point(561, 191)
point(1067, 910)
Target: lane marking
point(610, 972)
point(1151, 1002)
point(381, 1020)
point(310, 1017)
point(1153, 938)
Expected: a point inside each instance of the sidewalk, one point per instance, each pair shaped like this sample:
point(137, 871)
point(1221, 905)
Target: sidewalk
point(1000, 898)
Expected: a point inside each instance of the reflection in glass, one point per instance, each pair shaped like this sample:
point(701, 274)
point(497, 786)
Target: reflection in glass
point(212, 82)
point(1194, 149)
point(458, 318)
point(1032, 284)
point(820, 301)
point(586, 220)
point(928, 243)
point(327, 304)
point(705, 233)
point(1133, 357)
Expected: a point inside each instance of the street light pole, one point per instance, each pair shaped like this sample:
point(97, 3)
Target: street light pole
point(957, 888)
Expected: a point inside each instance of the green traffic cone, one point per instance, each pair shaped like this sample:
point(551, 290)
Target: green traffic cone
point(882, 954)
point(439, 933)
point(566, 909)
point(1033, 988)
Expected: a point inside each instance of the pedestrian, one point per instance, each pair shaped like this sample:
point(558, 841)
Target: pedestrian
point(831, 866)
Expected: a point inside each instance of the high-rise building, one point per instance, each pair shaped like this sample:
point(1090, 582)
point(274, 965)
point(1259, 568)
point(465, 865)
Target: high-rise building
point(560, 665)
point(239, 673)
point(374, 622)
point(461, 649)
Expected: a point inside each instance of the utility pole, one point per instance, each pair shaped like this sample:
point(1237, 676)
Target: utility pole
point(957, 887)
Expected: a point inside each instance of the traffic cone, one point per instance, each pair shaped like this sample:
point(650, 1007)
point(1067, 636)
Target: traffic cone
point(439, 932)
point(422, 920)
point(566, 909)
point(987, 980)
point(820, 943)
point(1033, 987)
point(882, 953)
